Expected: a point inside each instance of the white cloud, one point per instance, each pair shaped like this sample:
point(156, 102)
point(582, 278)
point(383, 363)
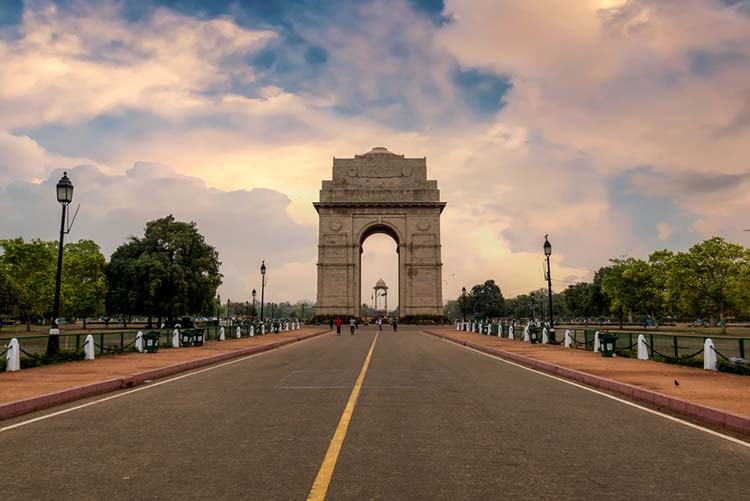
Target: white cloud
point(609, 89)
point(70, 66)
point(244, 226)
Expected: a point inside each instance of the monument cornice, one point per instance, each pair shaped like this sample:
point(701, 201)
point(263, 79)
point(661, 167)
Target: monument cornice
point(380, 205)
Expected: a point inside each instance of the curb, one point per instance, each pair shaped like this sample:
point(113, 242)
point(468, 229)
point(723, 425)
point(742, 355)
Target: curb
point(706, 414)
point(19, 407)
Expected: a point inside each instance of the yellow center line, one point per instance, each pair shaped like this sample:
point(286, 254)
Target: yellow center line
point(323, 480)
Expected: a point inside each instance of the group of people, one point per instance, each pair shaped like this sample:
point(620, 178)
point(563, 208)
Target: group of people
point(353, 324)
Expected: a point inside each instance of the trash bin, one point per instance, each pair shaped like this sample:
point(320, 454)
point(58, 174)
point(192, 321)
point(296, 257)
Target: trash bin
point(186, 338)
point(198, 337)
point(607, 344)
point(534, 335)
point(151, 341)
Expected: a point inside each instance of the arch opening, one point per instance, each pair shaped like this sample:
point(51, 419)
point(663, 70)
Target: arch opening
point(379, 273)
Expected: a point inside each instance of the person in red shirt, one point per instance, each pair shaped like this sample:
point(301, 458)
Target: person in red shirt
point(338, 326)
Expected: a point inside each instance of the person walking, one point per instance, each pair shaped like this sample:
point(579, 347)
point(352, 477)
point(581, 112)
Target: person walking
point(394, 323)
point(380, 324)
point(330, 324)
point(352, 324)
point(338, 326)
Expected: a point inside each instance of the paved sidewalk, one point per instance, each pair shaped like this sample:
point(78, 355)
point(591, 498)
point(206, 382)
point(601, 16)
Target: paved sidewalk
point(32, 389)
point(646, 380)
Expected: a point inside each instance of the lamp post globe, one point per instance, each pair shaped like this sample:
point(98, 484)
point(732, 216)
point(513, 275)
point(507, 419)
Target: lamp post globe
point(64, 190)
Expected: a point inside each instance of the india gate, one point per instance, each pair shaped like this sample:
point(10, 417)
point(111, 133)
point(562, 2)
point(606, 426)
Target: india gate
point(379, 192)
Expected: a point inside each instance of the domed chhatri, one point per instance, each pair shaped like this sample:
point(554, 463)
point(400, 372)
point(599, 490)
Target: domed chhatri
point(380, 291)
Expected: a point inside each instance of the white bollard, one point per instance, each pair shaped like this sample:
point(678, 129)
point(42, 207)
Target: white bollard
point(88, 348)
point(298, 326)
point(176, 338)
point(545, 337)
point(458, 328)
point(526, 334)
point(252, 331)
point(286, 326)
point(510, 332)
point(238, 332)
point(642, 347)
point(597, 343)
point(568, 338)
point(139, 341)
point(709, 356)
point(222, 334)
point(489, 329)
point(262, 328)
point(13, 356)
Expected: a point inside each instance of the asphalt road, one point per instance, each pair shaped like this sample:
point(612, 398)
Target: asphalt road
point(433, 421)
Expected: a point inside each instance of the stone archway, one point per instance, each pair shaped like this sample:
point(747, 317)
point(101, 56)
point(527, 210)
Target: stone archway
point(379, 192)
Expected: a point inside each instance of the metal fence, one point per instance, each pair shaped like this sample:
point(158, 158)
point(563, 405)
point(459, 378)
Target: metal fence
point(664, 345)
point(104, 342)
point(116, 341)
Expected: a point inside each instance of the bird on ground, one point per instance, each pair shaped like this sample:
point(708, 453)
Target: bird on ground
point(676, 383)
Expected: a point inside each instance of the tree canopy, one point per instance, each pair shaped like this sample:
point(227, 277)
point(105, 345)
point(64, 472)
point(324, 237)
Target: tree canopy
point(169, 272)
point(30, 266)
point(84, 283)
point(484, 300)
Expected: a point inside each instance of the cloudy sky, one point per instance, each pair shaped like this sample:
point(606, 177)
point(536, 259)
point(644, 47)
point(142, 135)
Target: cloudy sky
point(618, 127)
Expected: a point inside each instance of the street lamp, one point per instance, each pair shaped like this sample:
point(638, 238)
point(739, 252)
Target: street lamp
point(64, 196)
point(254, 304)
point(247, 311)
point(533, 307)
point(262, 287)
point(548, 253)
point(463, 302)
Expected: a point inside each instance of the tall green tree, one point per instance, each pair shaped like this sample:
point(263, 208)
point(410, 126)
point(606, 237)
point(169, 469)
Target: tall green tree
point(452, 309)
point(8, 292)
point(169, 272)
point(83, 280)
point(31, 267)
point(485, 300)
point(579, 300)
point(710, 277)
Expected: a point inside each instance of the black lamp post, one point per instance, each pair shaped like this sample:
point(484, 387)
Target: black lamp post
point(254, 293)
point(547, 253)
point(228, 315)
point(247, 310)
point(463, 303)
point(262, 288)
point(64, 196)
point(533, 307)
